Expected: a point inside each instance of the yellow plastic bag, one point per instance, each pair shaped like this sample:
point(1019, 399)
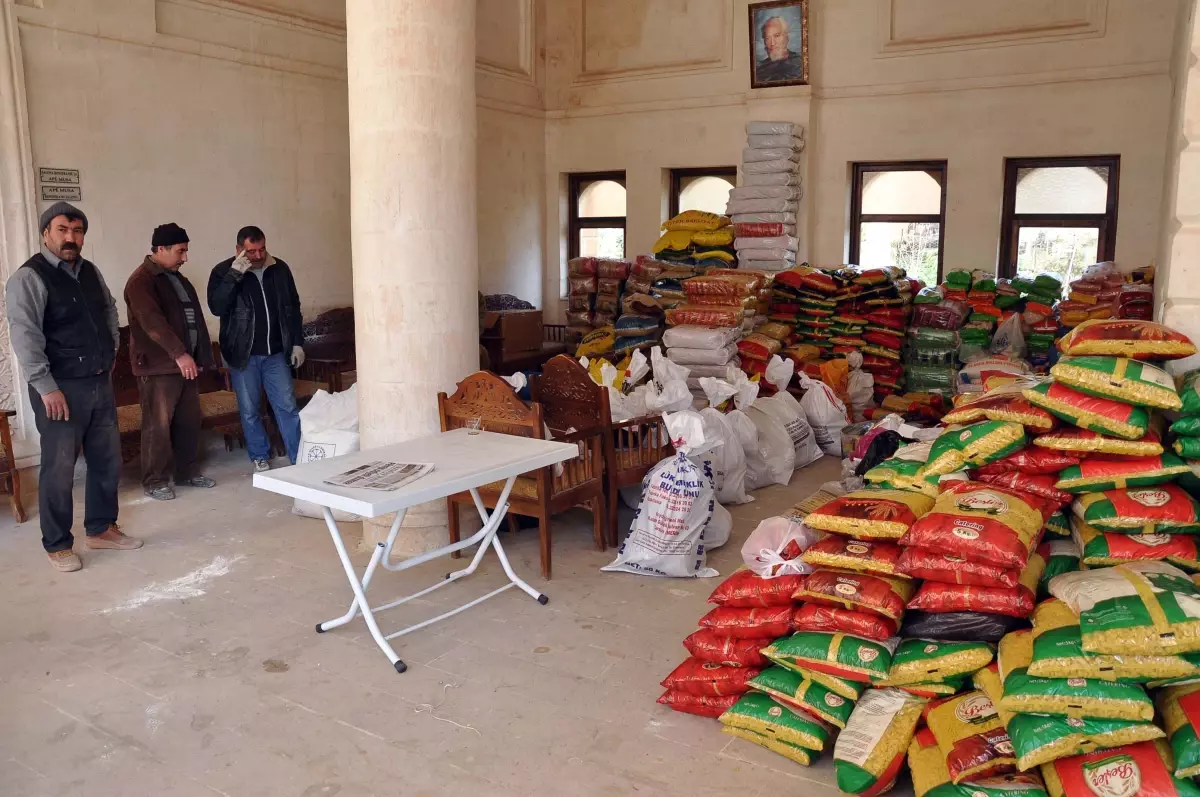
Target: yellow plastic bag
point(598, 341)
point(696, 220)
point(721, 237)
point(675, 240)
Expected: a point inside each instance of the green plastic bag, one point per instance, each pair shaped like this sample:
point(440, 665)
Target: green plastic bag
point(977, 444)
point(1062, 556)
point(1187, 447)
point(757, 712)
point(1187, 426)
point(793, 689)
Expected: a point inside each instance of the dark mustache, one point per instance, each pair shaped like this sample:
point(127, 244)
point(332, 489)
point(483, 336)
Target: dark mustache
point(69, 246)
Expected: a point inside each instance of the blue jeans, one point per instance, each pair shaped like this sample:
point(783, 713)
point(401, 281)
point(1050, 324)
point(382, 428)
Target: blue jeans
point(273, 374)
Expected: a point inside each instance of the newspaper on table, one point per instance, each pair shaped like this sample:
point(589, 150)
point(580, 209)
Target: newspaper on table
point(379, 475)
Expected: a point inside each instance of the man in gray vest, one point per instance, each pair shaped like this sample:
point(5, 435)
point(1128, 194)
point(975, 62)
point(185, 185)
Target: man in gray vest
point(63, 323)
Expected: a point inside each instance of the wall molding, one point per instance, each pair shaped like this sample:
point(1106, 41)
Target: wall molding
point(1090, 24)
point(718, 62)
point(243, 9)
point(525, 71)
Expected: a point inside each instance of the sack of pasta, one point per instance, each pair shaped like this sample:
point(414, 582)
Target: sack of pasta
point(1058, 653)
point(866, 514)
point(982, 523)
point(747, 589)
point(811, 617)
point(700, 705)
point(1140, 608)
point(949, 568)
point(707, 678)
point(1039, 739)
point(1000, 404)
point(797, 692)
point(1104, 549)
point(931, 778)
point(1133, 770)
point(1033, 461)
point(757, 718)
point(845, 657)
point(1164, 508)
point(1098, 414)
point(863, 556)
point(1076, 698)
point(1018, 601)
point(1179, 707)
point(711, 645)
point(870, 751)
point(1085, 441)
point(974, 445)
point(861, 592)
point(926, 660)
point(1140, 340)
point(902, 474)
point(971, 736)
point(1098, 474)
point(1118, 378)
point(1061, 556)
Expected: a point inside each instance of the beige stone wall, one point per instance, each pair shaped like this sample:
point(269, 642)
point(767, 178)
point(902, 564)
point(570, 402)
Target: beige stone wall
point(644, 85)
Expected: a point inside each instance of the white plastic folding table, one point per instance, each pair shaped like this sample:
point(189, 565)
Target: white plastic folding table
point(461, 462)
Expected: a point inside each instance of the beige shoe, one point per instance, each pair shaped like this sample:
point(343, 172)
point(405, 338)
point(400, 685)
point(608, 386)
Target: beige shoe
point(65, 561)
point(112, 538)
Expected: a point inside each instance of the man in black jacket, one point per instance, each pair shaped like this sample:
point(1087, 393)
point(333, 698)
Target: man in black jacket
point(63, 324)
point(262, 339)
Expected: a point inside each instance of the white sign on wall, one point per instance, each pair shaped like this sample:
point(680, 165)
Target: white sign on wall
point(60, 184)
point(47, 175)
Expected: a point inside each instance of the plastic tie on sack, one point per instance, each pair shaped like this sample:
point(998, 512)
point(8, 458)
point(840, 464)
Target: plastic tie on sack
point(686, 429)
point(717, 391)
point(779, 372)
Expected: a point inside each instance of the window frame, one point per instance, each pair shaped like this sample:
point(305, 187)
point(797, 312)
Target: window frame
point(575, 182)
point(679, 175)
point(1011, 222)
point(858, 218)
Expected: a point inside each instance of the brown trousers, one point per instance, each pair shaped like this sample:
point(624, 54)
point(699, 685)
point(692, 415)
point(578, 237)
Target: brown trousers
point(170, 428)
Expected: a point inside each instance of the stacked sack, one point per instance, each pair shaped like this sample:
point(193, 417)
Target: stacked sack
point(931, 356)
point(763, 208)
point(696, 238)
point(581, 296)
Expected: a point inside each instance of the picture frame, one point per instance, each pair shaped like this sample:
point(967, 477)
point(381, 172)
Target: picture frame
point(782, 61)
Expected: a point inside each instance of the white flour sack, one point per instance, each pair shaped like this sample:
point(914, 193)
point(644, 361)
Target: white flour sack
point(667, 537)
point(826, 414)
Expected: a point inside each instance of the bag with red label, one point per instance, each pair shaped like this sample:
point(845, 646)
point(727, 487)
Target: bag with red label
point(1134, 770)
point(811, 617)
point(1032, 461)
point(698, 677)
point(881, 595)
point(971, 737)
point(951, 569)
point(1015, 601)
point(710, 645)
point(700, 705)
point(1040, 484)
point(771, 622)
point(983, 523)
point(864, 556)
point(746, 589)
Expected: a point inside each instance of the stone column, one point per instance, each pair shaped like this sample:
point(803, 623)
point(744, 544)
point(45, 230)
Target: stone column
point(411, 74)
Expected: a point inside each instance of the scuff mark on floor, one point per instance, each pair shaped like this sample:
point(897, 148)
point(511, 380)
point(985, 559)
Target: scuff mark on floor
point(187, 586)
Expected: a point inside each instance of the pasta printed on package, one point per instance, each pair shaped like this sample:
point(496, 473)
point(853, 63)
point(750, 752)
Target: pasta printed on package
point(870, 751)
point(881, 514)
point(862, 592)
point(971, 736)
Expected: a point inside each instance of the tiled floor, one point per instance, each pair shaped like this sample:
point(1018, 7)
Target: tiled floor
point(191, 667)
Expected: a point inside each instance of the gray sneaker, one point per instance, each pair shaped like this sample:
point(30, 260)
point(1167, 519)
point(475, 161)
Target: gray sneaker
point(261, 466)
point(199, 481)
point(163, 492)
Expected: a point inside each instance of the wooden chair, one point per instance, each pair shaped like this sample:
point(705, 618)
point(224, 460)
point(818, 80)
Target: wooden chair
point(542, 494)
point(10, 476)
point(329, 350)
point(570, 399)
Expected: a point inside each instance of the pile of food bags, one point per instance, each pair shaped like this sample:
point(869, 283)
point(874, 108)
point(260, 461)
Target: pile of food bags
point(1011, 607)
point(763, 208)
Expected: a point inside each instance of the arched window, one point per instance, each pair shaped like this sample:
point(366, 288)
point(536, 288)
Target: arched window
point(596, 217)
point(701, 189)
point(1060, 215)
point(898, 217)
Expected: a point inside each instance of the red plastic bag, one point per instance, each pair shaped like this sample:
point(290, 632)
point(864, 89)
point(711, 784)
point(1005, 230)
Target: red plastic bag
point(983, 523)
point(746, 589)
point(710, 645)
point(701, 705)
point(811, 617)
point(771, 622)
point(858, 592)
point(864, 556)
point(936, 598)
point(1032, 460)
point(950, 569)
point(1041, 485)
point(698, 677)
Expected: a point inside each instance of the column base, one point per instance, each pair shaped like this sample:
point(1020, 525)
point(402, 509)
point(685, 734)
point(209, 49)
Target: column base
point(424, 529)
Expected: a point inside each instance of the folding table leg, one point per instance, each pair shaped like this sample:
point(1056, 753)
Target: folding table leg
point(493, 540)
point(360, 598)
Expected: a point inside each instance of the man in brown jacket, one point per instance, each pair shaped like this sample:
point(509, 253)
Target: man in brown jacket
point(168, 347)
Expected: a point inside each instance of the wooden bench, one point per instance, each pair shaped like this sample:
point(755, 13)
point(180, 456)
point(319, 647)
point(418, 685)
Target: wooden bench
point(329, 358)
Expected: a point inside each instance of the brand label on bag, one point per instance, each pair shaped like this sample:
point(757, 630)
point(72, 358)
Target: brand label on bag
point(1118, 776)
point(975, 709)
point(982, 501)
point(1151, 498)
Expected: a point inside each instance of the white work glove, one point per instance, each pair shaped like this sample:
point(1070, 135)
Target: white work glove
point(241, 263)
point(297, 356)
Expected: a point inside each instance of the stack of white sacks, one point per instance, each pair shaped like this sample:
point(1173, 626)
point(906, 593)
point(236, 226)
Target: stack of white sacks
point(705, 352)
point(763, 208)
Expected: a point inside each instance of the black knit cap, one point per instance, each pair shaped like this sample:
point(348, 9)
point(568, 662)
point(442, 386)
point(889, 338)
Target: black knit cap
point(168, 234)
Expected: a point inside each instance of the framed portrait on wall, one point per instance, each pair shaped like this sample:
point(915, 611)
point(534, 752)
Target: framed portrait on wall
point(778, 43)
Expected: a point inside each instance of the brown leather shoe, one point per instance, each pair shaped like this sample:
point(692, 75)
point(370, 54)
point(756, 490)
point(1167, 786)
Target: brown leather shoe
point(65, 561)
point(112, 538)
